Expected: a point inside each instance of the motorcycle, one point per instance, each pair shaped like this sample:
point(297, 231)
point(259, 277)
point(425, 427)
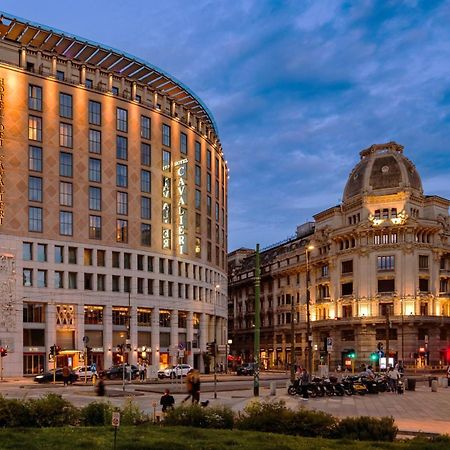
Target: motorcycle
point(296, 388)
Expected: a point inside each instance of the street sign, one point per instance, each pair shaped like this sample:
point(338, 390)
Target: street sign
point(181, 346)
point(115, 419)
point(329, 344)
point(180, 353)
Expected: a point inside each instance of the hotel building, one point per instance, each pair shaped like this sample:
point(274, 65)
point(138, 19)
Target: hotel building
point(113, 208)
point(377, 269)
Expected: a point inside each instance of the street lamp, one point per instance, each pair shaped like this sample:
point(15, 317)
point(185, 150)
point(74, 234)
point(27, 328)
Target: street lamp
point(308, 312)
point(216, 287)
point(229, 342)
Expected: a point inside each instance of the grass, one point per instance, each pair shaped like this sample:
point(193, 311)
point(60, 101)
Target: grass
point(185, 438)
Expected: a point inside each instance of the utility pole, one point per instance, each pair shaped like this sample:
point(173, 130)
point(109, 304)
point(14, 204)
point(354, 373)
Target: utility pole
point(388, 326)
point(292, 338)
point(257, 325)
point(308, 312)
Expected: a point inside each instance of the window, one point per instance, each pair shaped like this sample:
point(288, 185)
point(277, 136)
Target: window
point(146, 158)
point(65, 135)
point(208, 159)
point(208, 205)
point(183, 144)
point(166, 135)
point(95, 141)
point(126, 284)
point(27, 276)
point(35, 158)
point(101, 258)
point(35, 219)
point(146, 234)
point(347, 288)
point(121, 175)
point(72, 277)
point(65, 194)
point(95, 170)
point(122, 203)
point(198, 199)
point(33, 313)
point(145, 181)
point(59, 254)
point(89, 83)
point(380, 334)
point(65, 164)
point(41, 278)
point(198, 176)
point(122, 119)
point(95, 198)
point(127, 260)
point(324, 271)
point(198, 247)
point(101, 282)
point(35, 189)
point(217, 212)
point(198, 223)
point(347, 335)
point(145, 127)
point(42, 252)
point(386, 309)
point(95, 227)
point(146, 208)
point(116, 259)
point(121, 230)
point(121, 147)
point(35, 128)
point(65, 105)
point(386, 262)
point(423, 262)
point(424, 285)
point(27, 251)
point(166, 158)
point(35, 97)
point(95, 113)
point(386, 286)
point(72, 255)
point(150, 287)
point(60, 75)
point(347, 266)
point(144, 317)
point(66, 223)
point(115, 90)
point(93, 315)
point(198, 151)
point(208, 182)
point(150, 264)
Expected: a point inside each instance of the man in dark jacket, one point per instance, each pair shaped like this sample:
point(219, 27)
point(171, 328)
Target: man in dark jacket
point(167, 401)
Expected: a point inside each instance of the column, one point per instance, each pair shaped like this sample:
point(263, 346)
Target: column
point(203, 338)
point(83, 75)
point(54, 65)
point(174, 335)
point(50, 328)
point(133, 90)
point(69, 71)
point(110, 82)
point(96, 78)
point(133, 334)
point(23, 58)
point(190, 336)
point(107, 336)
point(155, 340)
point(122, 85)
point(39, 62)
point(79, 326)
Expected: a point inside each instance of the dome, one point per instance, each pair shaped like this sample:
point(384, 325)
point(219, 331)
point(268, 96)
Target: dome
point(383, 170)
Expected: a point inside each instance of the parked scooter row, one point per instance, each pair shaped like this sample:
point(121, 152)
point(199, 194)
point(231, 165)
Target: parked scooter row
point(349, 385)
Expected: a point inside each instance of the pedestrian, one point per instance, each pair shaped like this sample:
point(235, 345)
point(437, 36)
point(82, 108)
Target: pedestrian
point(193, 386)
point(305, 382)
point(167, 401)
point(66, 375)
point(141, 372)
point(393, 376)
point(100, 388)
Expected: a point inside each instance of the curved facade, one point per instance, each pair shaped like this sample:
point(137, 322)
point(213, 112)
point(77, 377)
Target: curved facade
point(113, 212)
point(379, 275)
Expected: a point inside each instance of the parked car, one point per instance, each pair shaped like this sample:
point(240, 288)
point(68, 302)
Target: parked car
point(81, 370)
point(47, 377)
point(116, 372)
point(245, 369)
point(175, 371)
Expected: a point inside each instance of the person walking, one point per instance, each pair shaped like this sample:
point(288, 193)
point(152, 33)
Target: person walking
point(305, 382)
point(66, 375)
point(167, 401)
point(193, 386)
point(141, 372)
point(394, 376)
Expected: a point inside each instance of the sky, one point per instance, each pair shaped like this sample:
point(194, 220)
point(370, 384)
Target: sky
point(298, 88)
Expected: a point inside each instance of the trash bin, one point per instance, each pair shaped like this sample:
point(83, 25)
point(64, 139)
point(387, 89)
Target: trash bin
point(411, 384)
point(430, 380)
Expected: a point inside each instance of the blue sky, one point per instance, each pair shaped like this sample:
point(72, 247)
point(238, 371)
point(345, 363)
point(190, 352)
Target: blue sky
point(297, 88)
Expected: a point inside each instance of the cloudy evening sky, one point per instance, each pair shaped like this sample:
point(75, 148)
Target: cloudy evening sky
point(297, 88)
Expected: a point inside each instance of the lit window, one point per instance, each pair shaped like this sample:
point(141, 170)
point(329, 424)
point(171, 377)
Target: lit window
point(95, 227)
point(35, 128)
point(121, 230)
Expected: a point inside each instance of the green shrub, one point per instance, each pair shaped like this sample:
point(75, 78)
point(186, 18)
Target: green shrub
point(52, 410)
point(366, 429)
point(196, 416)
point(14, 413)
point(96, 413)
point(304, 422)
point(271, 416)
point(131, 414)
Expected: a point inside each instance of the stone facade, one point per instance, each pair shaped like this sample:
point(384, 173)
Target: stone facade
point(379, 267)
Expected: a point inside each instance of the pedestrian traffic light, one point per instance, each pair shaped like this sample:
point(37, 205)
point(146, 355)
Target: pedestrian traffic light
point(3, 351)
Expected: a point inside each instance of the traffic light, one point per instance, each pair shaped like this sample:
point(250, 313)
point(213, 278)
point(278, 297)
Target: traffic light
point(351, 354)
point(120, 349)
point(380, 346)
point(211, 348)
point(53, 350)
point(57, 350)
point(374, 356)
point(3, 351)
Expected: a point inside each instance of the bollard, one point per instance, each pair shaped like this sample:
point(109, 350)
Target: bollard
point(434, 386)
point(273, 388)
point(445, 382)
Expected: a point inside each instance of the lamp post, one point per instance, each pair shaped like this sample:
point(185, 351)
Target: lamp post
point(257, 324)
point(403, 334)
point(292, 338)
point(308, 312)
point(216, 287)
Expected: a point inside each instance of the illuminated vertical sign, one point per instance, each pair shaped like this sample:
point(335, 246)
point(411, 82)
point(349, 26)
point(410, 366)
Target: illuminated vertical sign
point(2, 137)
point(182, 212)
point(166, 212)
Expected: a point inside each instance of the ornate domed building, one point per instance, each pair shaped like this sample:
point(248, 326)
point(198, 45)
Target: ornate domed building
point(378, 284)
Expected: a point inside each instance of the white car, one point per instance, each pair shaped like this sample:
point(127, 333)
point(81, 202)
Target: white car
point(175, 371)
point(81, 371)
